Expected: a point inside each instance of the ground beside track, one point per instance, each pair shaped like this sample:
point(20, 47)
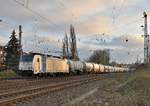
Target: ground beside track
point(133, 91)
point(7, 74)
point(95, 93)
point(119, 89)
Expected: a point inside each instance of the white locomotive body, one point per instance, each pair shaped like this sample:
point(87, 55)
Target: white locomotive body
point(26, 63)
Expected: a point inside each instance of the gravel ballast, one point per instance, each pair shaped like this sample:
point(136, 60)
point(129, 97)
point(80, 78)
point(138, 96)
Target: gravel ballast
point(83, 95)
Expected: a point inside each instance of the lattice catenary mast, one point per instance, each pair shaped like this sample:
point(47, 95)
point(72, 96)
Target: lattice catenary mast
point(146, 41)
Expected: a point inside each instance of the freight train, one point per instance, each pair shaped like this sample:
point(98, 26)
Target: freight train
point(43, 64)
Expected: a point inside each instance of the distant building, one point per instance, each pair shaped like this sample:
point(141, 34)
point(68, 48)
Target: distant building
point(2, 56)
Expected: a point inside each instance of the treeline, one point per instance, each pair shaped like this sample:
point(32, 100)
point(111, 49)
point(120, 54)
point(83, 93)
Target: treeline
point(100, 57)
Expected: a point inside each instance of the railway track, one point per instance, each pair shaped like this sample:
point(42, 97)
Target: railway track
point(13, 96)
point(6, 86)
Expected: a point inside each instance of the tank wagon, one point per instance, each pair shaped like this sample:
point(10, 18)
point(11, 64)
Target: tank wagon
point(44, 64)
point(76, 67)
point(88, 67)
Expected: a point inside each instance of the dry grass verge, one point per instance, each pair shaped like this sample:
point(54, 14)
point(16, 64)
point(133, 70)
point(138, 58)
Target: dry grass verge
point(7, 74)
point(133, 92)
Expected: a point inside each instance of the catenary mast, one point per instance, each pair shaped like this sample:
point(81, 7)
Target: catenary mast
point(146, 41)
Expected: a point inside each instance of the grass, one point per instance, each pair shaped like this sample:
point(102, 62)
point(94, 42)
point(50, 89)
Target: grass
point(122, 89)
point(135, 91)
point(7, 74)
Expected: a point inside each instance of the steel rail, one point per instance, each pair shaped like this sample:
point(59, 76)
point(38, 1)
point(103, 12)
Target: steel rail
point(9, 98)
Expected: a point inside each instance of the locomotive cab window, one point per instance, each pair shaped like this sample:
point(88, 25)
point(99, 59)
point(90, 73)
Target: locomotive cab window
point(27, 58)
point(38, 60)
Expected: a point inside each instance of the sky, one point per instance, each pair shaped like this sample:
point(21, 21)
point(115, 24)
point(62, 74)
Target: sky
point(99, 24)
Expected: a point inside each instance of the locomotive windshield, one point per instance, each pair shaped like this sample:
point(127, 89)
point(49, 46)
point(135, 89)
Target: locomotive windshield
point(27, 58)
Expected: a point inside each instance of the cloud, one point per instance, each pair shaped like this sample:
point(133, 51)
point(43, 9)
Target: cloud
point(50, 19)
point(121, 50)
point(99, 24)
point(2, 40)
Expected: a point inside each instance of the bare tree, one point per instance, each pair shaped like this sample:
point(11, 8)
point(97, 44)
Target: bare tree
point(70, 42)
point(100, 57)
point(73, 44)
point(65, 47)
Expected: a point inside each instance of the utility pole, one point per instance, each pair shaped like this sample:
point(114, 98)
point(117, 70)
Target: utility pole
point(20, 34)
point(137, 61)
point(20, 38)
point(146, 41)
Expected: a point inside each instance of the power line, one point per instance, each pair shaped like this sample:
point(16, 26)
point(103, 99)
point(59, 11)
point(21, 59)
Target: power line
point(113, 11)
point(118, 28)
point(61, 3)
point(121, 7)
point(34, 12)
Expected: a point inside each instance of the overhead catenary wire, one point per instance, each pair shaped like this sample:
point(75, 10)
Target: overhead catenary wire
point(35, 13)
point(128, 25)
point(122, 4)
point(9, 25)
point(44, 19)
point(113, 11)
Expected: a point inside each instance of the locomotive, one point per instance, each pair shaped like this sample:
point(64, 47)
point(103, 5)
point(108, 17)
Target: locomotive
point(43, 64)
